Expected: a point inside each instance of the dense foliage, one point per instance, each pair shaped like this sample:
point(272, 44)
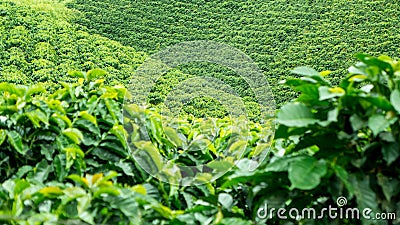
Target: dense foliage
point(37, 45)
point(76, 152)
point(66, 158)
point(279, 34)
point(335, 141)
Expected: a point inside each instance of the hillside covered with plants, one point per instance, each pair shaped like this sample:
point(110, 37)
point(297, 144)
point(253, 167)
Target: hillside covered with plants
point(279, 35)
point(75, 150)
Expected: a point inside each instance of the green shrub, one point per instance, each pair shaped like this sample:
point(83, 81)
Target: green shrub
point(334, 141)
point(59, 152)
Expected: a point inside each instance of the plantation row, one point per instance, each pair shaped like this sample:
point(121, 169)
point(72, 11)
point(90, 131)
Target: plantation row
point(38, 45)
point(278, 35)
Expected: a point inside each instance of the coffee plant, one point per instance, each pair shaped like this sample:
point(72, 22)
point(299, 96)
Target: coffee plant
point(334, 141)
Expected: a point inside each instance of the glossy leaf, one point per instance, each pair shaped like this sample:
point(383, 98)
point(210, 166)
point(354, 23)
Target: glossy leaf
point(307, 173)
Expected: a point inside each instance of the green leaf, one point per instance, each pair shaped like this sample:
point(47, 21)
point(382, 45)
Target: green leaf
point(237, 149)
point(296, 115)
point(120, 133)
point(148, 157)
point(126, 167)
point(199, 145)
point(380, 102)
point(85, 115)
point(60, 167)
point(23, 170)
point(172, 136)
point(226, 200)
point(16, 142)
point(344, 177)
point(114, 147)
point(378, 123)
point(42, 171)
point(73, 151)
point(328, 93)
point(311, 75)
point(3, 136)
point(305, 71)
point(220, 165)
point(281, 164)
point(73, 134)
point(306, 174)
point(356, 122)
point(76, 73)
point(11, 88)
point(36, 89)
point(80, 180)
point(234, 221)
point(390, 186)
point(95, 73)
point(390, 152)
point(61, 119)
point(395, 100)
point(113, 109)
point(20, 185)
point(9, 186)
point(373, 61)
point(36, 117)
point(366, 197)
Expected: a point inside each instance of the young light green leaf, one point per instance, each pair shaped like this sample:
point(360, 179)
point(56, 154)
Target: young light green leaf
point(76, 73)
point(85, 115)
point(94, 74)
point(20, 185)
point(80, 180)
point(296, 115)
point(237, 149)
point(73, 134)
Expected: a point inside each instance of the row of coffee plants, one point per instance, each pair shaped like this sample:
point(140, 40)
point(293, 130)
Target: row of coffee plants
point(39, 44)
point(278, 35)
